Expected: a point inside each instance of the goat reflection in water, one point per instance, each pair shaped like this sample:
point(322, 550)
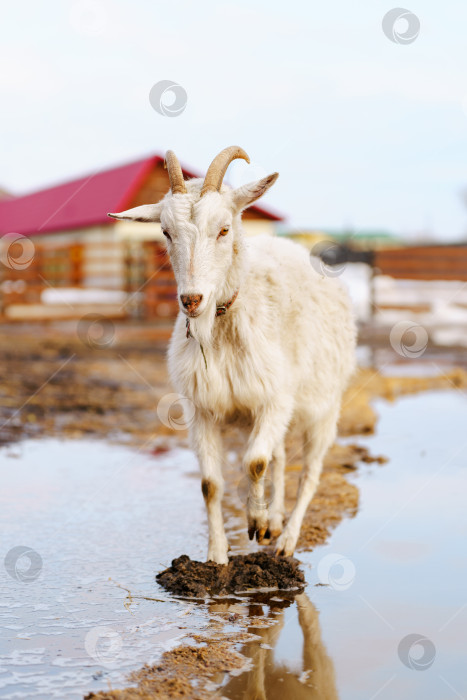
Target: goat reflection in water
point(268, 679)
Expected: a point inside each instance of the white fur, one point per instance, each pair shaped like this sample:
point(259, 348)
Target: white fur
point(282, 353)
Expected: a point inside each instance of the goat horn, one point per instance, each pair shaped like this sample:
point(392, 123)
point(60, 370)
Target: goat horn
point(177, 183)
point(218, 167)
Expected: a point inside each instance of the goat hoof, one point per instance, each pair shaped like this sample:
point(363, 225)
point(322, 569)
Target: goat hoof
point(217, 552)
point(257, 525)
point(285, 546)
point(276, 524)
point(260, 534)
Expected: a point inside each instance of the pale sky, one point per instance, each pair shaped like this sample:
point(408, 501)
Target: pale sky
point(364, 132)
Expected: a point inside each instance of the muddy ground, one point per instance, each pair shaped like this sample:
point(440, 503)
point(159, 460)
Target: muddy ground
point(60, 380)
point(256, 570)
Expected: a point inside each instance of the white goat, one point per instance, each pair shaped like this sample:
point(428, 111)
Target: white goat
point(261, 336)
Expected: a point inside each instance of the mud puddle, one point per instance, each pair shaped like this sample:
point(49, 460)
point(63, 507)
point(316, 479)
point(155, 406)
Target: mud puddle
point(103, 520)
point(78, 612)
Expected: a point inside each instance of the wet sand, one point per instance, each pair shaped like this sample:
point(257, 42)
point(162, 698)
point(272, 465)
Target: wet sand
point(53, 382)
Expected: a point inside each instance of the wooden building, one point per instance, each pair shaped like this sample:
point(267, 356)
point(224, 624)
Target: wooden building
point(73, 253)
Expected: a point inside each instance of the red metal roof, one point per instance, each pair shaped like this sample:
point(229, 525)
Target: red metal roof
point(83, 202)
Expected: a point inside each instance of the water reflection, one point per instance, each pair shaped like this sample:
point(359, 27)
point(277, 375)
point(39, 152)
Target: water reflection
point(308, 672)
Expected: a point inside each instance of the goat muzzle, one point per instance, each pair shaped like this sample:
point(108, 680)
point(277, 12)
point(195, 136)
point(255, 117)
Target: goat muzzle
point(191, 301)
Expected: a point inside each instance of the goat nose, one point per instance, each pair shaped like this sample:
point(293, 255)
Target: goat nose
point(191, 301)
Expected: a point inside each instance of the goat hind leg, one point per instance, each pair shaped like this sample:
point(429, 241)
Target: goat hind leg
point(276, 508)
point(317, 440)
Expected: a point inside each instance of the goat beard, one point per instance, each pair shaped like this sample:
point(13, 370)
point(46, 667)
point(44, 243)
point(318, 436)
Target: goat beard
point(201, 327)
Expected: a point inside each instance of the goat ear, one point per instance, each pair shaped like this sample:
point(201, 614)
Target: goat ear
point(147, 212)
point(247, 194)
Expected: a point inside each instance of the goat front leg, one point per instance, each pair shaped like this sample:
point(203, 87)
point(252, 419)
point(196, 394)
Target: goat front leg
point(206, 438)
point(266, 437)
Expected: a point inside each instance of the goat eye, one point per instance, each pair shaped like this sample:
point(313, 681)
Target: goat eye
point(224, 231)
point(166, 234)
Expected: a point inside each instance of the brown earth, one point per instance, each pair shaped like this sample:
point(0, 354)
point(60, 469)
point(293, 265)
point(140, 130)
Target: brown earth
point(186, 577)
point(55, 382)
point(181, 673)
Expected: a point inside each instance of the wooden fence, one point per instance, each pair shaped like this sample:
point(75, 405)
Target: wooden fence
point(121, 279)
point(433, 262)
point(418, 263)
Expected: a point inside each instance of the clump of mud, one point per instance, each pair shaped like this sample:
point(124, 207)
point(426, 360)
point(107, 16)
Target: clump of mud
point(243, 572)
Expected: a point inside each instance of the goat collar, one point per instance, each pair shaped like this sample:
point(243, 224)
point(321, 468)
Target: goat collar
point(220, 311)
point(222, 308)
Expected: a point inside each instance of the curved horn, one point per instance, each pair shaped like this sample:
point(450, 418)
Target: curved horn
point(218, 167)
point(177, 183)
